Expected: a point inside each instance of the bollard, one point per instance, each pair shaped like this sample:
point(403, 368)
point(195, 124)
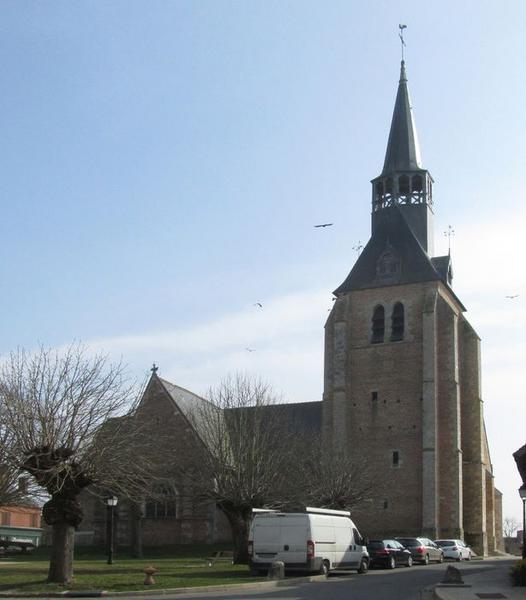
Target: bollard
point(276, 570)
point(149, 572)
point(452, 575)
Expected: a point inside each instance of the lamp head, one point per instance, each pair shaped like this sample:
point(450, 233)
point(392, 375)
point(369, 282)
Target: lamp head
point(522, 491)
point(112, 501)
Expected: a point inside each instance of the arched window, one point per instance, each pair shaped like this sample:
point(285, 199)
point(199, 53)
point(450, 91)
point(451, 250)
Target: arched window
point(397, 323)
point(378, 325)
point(162, 504)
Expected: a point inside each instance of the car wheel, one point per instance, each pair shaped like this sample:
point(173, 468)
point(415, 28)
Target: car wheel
point(364, 567)
point(441, 559)
point(458, 558)
point(469, 556)
point(324, 568)
point(409, 561)
point(392, 563)
point(426, 559)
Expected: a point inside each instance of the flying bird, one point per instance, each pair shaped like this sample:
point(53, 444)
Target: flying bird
point(250, 349)
point(258, 304)
point(324, 225)
point(511, 297)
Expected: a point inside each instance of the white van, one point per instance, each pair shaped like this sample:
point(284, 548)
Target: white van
point(317, 540)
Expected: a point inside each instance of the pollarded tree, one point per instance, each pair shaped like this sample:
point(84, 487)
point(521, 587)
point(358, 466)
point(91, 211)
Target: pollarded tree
point(62, 413)
point(248, 453)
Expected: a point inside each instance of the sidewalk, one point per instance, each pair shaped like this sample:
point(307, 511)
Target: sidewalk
point(492, 584)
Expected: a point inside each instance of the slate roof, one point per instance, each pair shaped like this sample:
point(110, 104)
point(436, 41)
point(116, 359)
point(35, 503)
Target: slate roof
point(393, 234)
point(189, 403)
point(403, 149)
point(442, 264)
point(301, 417)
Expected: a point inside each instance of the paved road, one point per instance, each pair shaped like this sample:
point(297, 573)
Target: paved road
point(378, 584)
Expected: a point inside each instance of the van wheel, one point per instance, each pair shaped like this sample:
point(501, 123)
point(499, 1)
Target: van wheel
point(364, 567)
point(324, 567)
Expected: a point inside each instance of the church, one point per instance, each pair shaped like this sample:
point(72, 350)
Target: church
point(402, 383)
point(402, 380)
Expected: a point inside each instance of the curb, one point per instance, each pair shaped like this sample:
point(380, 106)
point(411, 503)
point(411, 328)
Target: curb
point(165, 591)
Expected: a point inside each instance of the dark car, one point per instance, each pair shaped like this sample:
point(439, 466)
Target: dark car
point(423, 550)
point(388, 554)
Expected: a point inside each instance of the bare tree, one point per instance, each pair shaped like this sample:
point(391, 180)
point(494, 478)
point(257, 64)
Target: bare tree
point(13, 488)
point(329, 479)
point(247, 451)
point(58, 410)
point(510, 526)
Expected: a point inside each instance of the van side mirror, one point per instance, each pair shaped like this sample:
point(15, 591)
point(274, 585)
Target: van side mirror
point(363, 541)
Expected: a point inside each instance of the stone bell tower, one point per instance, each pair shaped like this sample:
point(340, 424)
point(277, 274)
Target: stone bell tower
point(402, 388)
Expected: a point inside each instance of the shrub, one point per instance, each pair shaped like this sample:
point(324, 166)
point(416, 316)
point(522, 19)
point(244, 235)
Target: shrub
point(518, 573)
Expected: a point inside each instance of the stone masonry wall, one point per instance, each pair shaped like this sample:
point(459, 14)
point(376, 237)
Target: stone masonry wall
point(193, 521)
point(449, 423)
point(389, 422)
point(474, 478)
point(419, 400)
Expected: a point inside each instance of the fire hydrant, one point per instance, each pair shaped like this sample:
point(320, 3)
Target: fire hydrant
point(149, 572)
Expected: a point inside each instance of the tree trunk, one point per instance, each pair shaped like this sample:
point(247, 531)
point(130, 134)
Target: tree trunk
point(61, 559)
point(240, 528)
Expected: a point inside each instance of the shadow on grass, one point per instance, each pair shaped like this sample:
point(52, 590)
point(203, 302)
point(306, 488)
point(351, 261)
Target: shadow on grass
point(19, 586)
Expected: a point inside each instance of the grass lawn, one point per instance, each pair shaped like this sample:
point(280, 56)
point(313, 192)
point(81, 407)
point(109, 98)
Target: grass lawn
point(179, 568)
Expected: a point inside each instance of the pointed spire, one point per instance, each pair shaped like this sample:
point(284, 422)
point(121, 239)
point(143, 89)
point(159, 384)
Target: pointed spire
point(403, 150)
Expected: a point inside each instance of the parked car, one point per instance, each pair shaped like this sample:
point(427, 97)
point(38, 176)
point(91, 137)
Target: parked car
point(422, 549)
point(455, 549)
point(388, 554)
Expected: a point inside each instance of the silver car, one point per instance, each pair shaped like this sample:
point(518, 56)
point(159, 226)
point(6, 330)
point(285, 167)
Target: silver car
point(455, 549)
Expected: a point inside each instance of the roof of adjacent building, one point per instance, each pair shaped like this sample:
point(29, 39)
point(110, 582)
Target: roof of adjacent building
point(300, 416)
point(187, 402)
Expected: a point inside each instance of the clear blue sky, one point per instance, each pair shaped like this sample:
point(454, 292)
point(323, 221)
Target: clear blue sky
point(163, 164)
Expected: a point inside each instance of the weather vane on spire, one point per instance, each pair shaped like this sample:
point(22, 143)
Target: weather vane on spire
point(449, 233)
point(358, 247)
point(401, 36)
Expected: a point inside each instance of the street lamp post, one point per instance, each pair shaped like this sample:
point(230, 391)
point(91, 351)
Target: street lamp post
point(111, 503)
point(522, 494)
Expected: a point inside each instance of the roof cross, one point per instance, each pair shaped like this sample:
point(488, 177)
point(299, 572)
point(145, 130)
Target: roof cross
point(154, 368)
